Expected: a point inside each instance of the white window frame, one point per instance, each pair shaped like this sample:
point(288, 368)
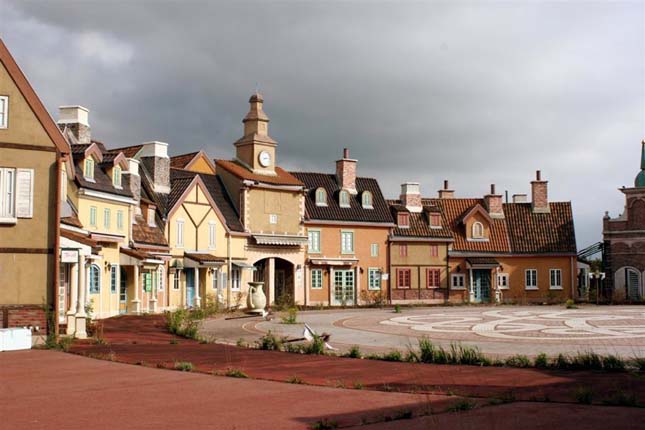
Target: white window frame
point(503, 281)
point(116, 177)
point(88, 169)
point(7, 195)
point(96, 290)
point(215, 279)
point(316, 279)
point(374, 279)
point(374, 250)
point(179, 234)
point(93, 216)
point(236, 275)
point(557, 285)
point(119, 219)
point(321, 197)
point(458, 285)
point(151, 217)
point(531, 285)
point(476, 234)
point(212, 235)
point(343, 199)
point(310, 244)
point(4, 111)
point(273, 218)
point(367, 200)
point(176, 280)
point(161, 279)
point(343, 248)
point(107, 215)
point(433, 215)
point(114, 278)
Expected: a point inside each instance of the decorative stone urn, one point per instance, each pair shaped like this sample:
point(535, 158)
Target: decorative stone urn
point(256, 301)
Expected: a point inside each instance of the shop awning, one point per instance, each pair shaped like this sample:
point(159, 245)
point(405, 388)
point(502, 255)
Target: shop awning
point(204, 259)
point(482, 262)
point(277, 239)
point(333, 261)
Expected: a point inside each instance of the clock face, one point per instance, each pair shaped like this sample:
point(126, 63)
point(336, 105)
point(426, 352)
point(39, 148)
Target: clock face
point(265, 159)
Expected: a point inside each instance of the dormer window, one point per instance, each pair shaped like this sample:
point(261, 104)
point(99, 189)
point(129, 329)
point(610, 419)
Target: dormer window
point(478, 230)
point(116, 176)
point(435, 220)
point(88, 168)
point(321, 197)
point(403, 220)
point(367, 200)
point(151, 217)
point(343, 199)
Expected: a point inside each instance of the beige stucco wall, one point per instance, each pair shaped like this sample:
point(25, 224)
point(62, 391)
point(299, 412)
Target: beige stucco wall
point(418, 260)
point(286, 205)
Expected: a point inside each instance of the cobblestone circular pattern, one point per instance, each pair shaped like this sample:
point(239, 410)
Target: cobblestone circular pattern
point(530, 325)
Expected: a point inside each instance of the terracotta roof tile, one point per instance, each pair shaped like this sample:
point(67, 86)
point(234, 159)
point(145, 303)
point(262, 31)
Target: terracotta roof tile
point(181, 161)
point(420, 223)
point(128, 151)
point(80, 238)
point(72, 220)
point(282, 176)
point(204, 258)
point(333, 212)
point(144, 233)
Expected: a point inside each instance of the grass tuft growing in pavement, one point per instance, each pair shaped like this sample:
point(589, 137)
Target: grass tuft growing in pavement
point(518, 361)
point(184, 366)
point(354, 352)
point(294, 380)
point(235, 373)
point(270, 342)
point(324, 424)
point(462, 405)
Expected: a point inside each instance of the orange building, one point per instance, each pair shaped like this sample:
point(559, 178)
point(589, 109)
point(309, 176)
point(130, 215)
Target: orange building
point(517, 252)
point(348, 222)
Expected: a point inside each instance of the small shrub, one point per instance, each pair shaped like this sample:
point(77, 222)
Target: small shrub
point(354, 352)
point(241, 343)
point(584, 395)
point(291, 317)
point(518, 361)
point(324, 424)
point(392, 356)
point(269, 342)
point(315, 347)
point(235, 373)
point(461, 354)
point(62, 343)
point(373, 356)
point(411, 357)
point(397, 309)
point(541, 361)
point(294, 380)
point(427, 350)
point(570, 304)
point(586, 361)
point(184, 366)
point(611, 363)
point(358, 385)
point(462, 405)
point(639, 363)
point(293, 347)
point(561, 362)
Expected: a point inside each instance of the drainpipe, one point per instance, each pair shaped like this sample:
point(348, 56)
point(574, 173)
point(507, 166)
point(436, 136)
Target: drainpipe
point(230, 269)
point(56, 280)
point(447, 300)
point(571, 293)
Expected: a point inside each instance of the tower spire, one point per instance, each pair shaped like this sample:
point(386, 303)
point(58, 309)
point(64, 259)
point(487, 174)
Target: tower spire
point(640, 178)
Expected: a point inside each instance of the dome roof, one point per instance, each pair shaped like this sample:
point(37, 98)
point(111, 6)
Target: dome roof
point(640, 179)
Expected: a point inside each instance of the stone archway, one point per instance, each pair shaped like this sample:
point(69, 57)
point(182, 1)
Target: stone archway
point(278, 276)
point(628, 284)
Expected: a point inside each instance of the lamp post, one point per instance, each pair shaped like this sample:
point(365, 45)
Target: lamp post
point(599, 277)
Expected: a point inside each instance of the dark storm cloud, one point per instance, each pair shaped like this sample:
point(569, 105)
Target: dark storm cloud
point(473, 92)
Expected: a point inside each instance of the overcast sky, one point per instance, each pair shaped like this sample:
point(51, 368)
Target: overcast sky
point(473, 92)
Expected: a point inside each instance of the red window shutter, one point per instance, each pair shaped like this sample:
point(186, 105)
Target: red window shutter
point(433, 278)
point(403, 250)
point(435, 220)
point(434, 250)
point(403, 278)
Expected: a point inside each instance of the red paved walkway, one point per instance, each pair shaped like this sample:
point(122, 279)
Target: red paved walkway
point(144, 340)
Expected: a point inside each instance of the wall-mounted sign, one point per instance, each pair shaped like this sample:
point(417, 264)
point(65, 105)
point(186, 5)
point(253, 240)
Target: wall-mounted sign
point(385, 276)
point(69, 256)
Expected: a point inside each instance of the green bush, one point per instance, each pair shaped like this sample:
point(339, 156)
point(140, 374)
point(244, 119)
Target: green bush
point(561, 362)
point(518, 361)
point(269, 342)
point(291, 316)
point(586, 361)
point(611, 363)
point(354, 352)
point(639, 364)
point(427, 350)
point(392, 356)
point(315, 347)
point(235, 373)
point(570, 304)
point(541, 361)
point(397, 309)
point(184, 366)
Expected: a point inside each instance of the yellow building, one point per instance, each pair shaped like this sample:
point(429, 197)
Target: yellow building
point(271, 205)
point(32, 153)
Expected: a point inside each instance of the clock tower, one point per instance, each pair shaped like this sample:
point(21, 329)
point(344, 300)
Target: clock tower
point(256, 150)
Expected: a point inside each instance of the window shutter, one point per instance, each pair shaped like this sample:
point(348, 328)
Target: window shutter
point(24, 193)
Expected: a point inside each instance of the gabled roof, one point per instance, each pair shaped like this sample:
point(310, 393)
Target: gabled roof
point(181, 180)
point(282, 177)
point(32, 100)
point(478, 208)
point(420, 223)
point(186, 161)
point(102, 181)
point(380, 212)
point(129, 151)
point(144, 233)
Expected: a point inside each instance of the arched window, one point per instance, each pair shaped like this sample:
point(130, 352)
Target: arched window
point(116, 176)
point(478, 230)
point(367, 200)
point(321, 197)
point(95, 279)
point(343, 199)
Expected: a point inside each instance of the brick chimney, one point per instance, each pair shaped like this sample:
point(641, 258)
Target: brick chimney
point(446, 193)
point(76, 120)
point(411, 196)
point(539, 194)
point(133, 178)
point(155, 160)
point(494, 203)
point(346, 172)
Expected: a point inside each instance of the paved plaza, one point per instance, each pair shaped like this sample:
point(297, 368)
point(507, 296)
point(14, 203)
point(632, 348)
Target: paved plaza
point(498, 331)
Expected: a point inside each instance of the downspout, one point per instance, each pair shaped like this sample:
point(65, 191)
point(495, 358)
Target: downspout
point(230, 269)
point(572, 280)
point(447, 276)
point(59, 161)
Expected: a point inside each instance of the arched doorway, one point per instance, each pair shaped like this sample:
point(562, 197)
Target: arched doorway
point(278, 276)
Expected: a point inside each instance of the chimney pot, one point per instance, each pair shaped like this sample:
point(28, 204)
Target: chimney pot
point(492, 189)
point(445, 184)
point(345, 152)
point(538, 175)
